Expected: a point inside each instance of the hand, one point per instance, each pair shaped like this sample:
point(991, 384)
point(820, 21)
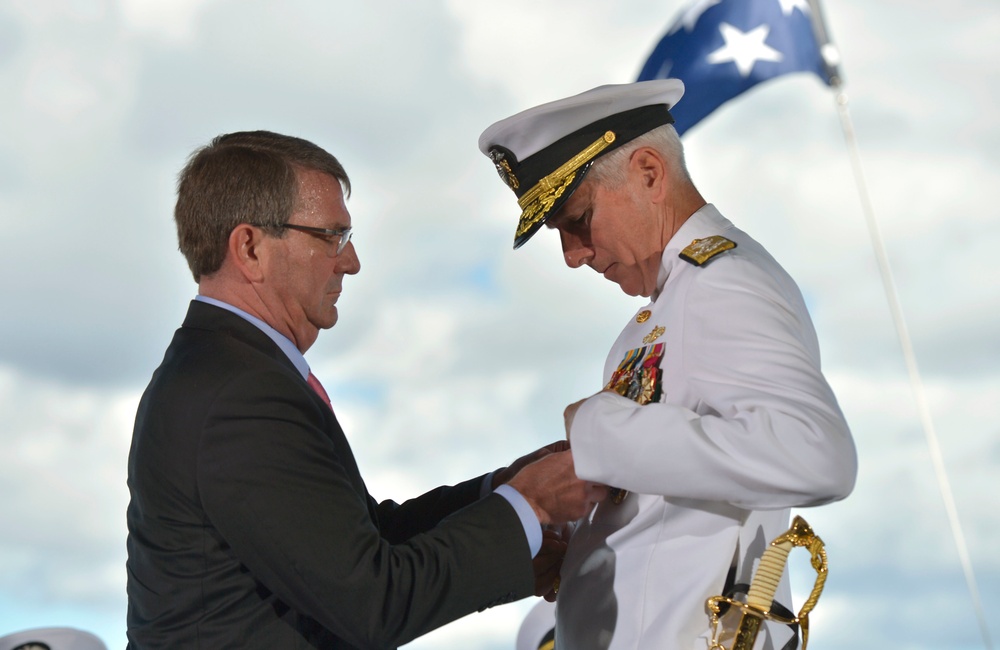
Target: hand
point(552, 489)
point(548, 563)
point(570, 413)
point(504, 475)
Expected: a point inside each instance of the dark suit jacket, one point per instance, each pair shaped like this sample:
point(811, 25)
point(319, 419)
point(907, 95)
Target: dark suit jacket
point(251, 527)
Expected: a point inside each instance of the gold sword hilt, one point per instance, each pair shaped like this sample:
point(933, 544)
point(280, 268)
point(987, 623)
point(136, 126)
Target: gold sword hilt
point(765, 585)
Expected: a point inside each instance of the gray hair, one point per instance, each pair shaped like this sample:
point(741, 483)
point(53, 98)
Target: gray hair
point(610, 170)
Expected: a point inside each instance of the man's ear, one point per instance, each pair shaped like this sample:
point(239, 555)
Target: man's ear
point(651, 169)
point(246, 252)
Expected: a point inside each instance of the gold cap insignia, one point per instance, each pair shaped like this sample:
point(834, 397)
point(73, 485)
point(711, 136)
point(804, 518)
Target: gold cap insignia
point(702, 250)
point(499, 159)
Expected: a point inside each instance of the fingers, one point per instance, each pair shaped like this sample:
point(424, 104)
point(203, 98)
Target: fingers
point(570, 413)
point(504, 474)
point(548, 562)
point(551, 487)
point(568, 416)
point(545, 587)
point(597, 492)
point(589, 495)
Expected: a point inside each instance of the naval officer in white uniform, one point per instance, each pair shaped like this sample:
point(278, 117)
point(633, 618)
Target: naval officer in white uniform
point(714, 419)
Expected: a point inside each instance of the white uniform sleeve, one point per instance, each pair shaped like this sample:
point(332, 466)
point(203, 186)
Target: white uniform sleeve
point(751, 421)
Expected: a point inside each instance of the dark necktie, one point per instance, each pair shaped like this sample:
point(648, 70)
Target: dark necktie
point(318, 387)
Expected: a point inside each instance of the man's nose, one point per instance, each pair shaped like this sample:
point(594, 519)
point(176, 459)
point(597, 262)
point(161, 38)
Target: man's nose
point(349, 262)
point(576, 251)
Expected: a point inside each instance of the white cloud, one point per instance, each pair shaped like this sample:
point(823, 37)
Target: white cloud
point(528, 52)
point(64, 482)
point(174, 22)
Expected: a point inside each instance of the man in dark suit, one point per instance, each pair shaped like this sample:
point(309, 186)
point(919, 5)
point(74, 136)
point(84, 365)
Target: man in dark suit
point(249, 522)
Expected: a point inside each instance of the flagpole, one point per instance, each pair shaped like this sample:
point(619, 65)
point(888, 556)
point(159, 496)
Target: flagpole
point(902, 333)
point(911, 363)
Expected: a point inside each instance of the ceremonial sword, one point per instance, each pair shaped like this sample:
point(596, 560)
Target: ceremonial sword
point(757, 609)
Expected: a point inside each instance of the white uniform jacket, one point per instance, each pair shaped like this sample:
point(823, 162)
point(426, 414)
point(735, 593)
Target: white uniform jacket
point(742, 428)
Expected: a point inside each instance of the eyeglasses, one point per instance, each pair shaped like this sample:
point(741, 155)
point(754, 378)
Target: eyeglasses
point(326, 234)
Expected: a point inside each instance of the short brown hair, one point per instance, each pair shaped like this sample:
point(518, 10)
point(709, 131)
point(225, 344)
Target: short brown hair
point(245, 177)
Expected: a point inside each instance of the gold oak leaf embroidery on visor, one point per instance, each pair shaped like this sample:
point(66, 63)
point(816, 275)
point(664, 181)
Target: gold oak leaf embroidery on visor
point(536, 202)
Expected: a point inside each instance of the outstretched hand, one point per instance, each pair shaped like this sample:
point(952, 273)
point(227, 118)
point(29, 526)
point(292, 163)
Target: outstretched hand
point(504, 475)
point(570, 413)
point(552, 489)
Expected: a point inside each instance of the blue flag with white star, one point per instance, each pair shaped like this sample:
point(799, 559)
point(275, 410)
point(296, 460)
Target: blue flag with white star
point(721, 48)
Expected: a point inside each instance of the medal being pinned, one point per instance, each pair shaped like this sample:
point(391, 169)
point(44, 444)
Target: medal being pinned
point(638, 375)
point(638, 378)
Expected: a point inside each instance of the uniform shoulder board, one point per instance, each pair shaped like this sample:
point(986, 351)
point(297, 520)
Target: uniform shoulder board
point(702, 250)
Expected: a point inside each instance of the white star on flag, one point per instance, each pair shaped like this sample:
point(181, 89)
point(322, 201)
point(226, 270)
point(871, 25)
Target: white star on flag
point(786, 36)
point(788, 6)
point(744, 48)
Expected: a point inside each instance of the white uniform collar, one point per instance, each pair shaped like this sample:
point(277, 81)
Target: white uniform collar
point(705, 222)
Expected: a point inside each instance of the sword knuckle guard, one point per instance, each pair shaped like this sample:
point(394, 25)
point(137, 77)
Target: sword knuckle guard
point(757, 609)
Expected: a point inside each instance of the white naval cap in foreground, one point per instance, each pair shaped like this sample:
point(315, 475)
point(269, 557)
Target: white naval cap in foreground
point(51, 638)
point(544, 153)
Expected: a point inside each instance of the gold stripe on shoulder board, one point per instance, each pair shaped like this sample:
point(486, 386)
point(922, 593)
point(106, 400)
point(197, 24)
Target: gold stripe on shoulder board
point(702, 250)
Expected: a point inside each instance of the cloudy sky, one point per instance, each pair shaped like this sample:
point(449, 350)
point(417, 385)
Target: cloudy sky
point(455, 354)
